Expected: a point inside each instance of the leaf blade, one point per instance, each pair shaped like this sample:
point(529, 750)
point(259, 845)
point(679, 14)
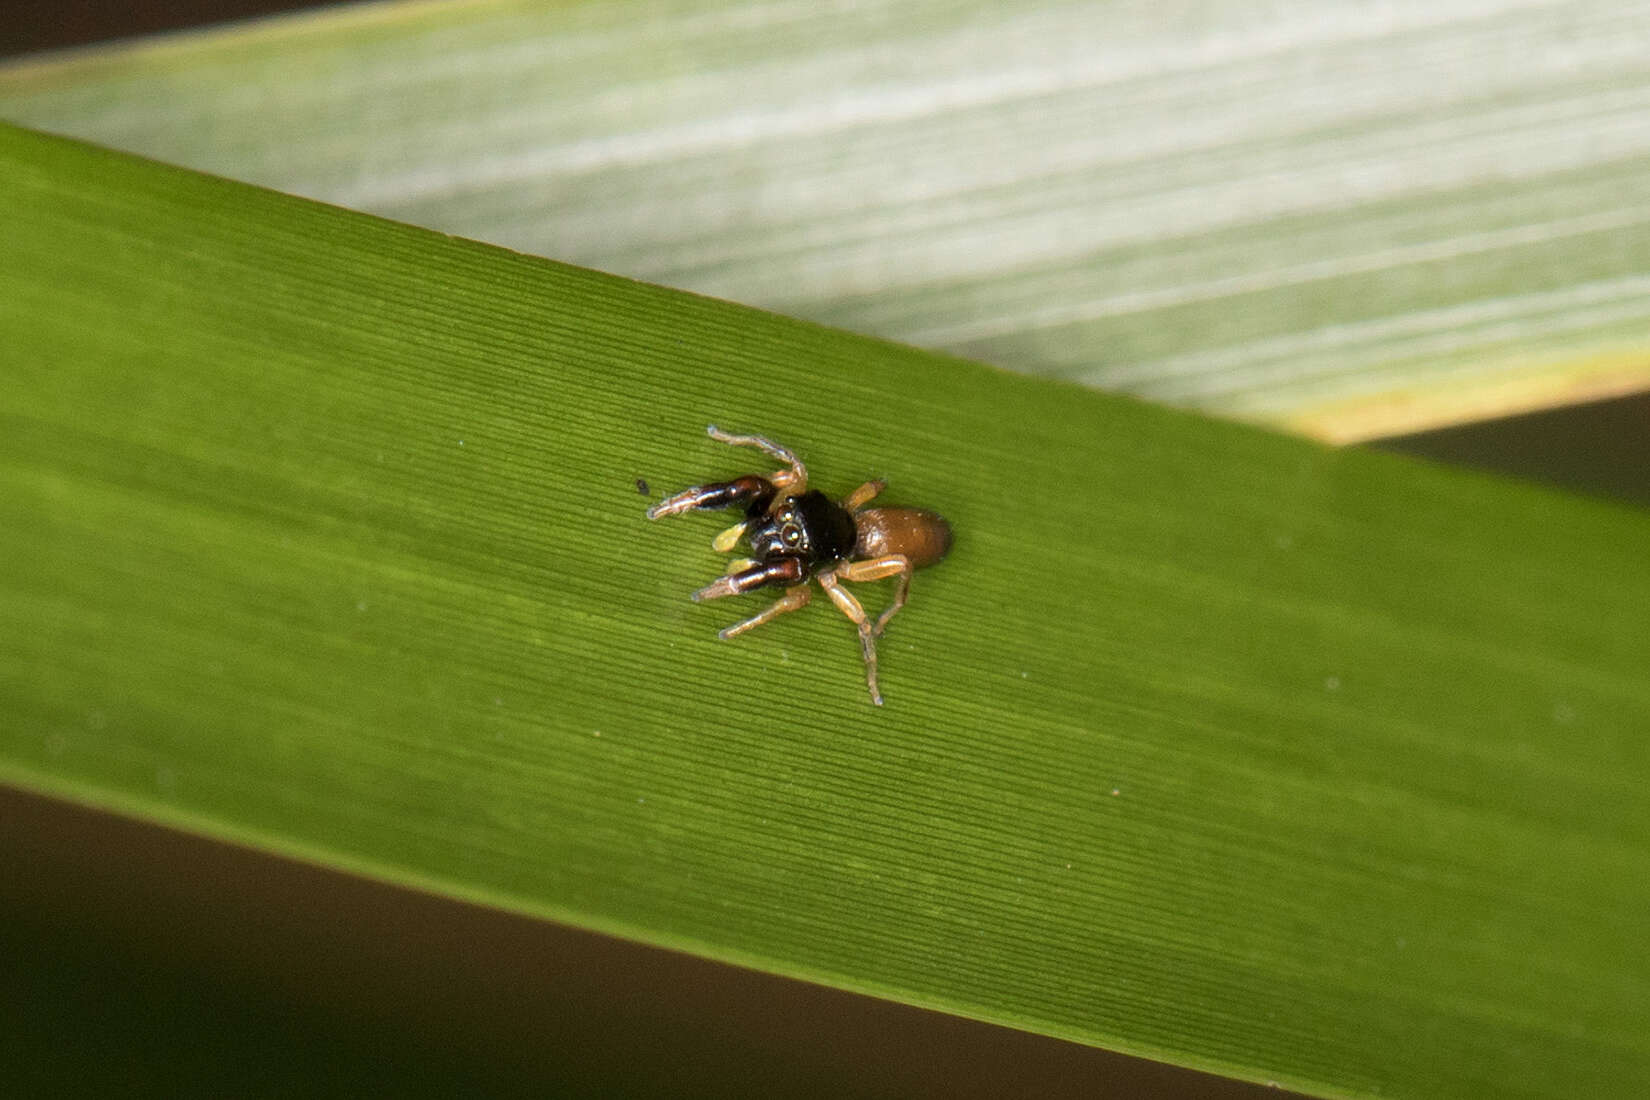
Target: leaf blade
point(323, 536)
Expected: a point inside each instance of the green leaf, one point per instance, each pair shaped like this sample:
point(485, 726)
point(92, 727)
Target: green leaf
point(1350, 221)
point(322, 534)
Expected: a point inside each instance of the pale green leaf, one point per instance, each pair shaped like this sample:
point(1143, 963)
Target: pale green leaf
point(1348, 220)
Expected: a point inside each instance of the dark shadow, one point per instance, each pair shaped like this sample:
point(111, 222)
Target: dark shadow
point(143, 961)
point(1602, 448)
point(28, 26)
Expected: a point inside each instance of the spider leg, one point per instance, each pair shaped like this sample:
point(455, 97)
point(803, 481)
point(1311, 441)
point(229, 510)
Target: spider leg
point(850, 607)
point(727, 540)
point(779, 572)
point(754, 492)
point(716, 494)
point(794, 598)
point(794, 480)
point(875, 570)
point(857, 499)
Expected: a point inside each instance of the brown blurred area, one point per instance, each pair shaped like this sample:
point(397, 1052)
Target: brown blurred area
point(1601, 449)
point(28, 26)
point(140, 961)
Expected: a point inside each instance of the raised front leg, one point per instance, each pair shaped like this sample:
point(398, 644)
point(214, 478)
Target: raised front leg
point(792, 481)
point(754, 492)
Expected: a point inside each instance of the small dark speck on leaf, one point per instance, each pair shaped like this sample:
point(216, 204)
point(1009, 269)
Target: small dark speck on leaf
point(641, 486)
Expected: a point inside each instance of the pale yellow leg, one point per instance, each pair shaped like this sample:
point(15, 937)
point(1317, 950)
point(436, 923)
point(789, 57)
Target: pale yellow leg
point(793, 599)
point(875, 570)
point(850, 607)
point(728, 539)
point(861, 496)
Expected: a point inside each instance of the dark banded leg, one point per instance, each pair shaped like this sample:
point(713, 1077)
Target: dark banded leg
point(752, 492)
point(780, 572)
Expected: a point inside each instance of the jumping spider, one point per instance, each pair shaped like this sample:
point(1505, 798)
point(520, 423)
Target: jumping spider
point(797, 534)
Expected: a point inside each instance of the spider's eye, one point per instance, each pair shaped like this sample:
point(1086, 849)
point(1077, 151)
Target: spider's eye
point(791, 536)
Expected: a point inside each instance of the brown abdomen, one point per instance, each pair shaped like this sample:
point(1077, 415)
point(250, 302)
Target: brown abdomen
point(922, 536)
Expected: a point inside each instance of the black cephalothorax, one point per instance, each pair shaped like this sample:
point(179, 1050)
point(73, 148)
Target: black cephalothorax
point(811, 526)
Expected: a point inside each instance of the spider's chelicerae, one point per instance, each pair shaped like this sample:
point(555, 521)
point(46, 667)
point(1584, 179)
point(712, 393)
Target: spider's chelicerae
point(797, 534)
